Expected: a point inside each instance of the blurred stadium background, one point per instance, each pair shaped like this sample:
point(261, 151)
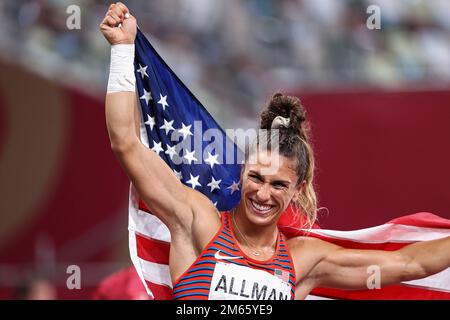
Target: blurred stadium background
point(379, 102)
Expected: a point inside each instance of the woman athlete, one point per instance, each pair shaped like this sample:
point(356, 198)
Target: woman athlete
point(242, 254)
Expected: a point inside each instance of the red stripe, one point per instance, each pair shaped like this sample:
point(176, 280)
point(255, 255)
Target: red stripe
point(350, 244)
point(160, 292)
point(143, 206)
point(395, 292)
point(152, 250)
point(423, 219)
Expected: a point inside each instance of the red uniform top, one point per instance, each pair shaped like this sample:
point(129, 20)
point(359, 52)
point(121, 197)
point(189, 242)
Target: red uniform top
point(223, 271)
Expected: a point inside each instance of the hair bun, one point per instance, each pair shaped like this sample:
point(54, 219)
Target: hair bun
point(286, 107)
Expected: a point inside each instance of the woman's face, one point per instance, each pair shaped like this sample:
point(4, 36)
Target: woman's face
point(269, 183)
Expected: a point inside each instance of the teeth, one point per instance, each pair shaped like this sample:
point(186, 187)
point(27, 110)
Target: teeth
point(261, 207)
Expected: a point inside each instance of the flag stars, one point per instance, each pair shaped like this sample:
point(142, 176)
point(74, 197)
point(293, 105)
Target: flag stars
point(157, 147)
point(189, 156)
point(178, 174)
point(193, 181)
point(214, 184)
point(150, 122)
point(163, 101)
point(167, 126)
point(143, 71)
point(171, 151)
point(147, 96)
point(212, 159)
point(234, 187)
point(185, 130)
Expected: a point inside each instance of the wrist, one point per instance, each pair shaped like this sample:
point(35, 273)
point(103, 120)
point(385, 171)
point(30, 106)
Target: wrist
point(123, 49)
point(121, 73)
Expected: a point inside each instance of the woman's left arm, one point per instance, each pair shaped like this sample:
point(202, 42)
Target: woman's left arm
point(350, 269)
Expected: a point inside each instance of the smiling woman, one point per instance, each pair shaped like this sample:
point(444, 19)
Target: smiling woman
point(242, 254)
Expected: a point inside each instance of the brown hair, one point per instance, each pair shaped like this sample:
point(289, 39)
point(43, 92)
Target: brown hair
point(294, 142)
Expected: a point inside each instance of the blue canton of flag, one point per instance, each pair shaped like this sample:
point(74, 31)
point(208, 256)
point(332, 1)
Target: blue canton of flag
point(183, 133)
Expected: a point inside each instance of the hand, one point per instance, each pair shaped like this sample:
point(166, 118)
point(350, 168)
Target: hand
point(119, 26)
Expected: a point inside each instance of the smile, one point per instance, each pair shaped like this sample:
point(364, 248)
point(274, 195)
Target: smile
point(260, 208)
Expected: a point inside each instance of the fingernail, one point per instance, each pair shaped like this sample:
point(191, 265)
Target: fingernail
point(127, 15)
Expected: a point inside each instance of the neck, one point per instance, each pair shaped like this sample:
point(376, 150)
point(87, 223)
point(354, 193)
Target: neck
point(262, 237)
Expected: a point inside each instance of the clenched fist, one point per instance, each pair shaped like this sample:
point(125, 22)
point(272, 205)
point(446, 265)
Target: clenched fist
point(118, 26)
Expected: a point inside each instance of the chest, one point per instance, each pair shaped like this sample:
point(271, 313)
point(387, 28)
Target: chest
point(231, 282)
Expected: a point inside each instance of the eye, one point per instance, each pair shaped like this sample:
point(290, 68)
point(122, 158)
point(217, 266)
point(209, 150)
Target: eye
point(279, 186)
point(255, 177)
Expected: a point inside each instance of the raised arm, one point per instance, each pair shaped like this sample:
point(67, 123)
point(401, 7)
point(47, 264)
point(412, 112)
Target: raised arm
point(337, 267)
point(155, 182)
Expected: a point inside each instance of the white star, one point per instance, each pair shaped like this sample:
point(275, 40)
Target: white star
point(171, 151)
point(212, 159)
point(215, 204)
point(157, 147)
point(146, 96)
point(214, 184)
point(143, 71)
point(167, 126)
point(193, 181)
point(189, 156)
point(178, 174)
point(150, 122)
point(163, 101)
point(185, 130)
point(234, 187)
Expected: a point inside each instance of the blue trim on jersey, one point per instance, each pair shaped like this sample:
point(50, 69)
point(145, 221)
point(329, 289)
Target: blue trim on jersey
point(194, 281)
point(221, 250)
point(201, 269)
point(226, 246)
point(227, 240)
point(191, 288)
point(282, 266)
point(205, 261)
point(192, 294)
point(195, 275)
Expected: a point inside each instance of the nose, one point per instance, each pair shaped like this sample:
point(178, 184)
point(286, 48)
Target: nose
point(263, 193)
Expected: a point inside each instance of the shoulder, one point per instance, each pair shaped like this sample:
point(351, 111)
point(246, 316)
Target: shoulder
point(310, 246)
point(307, 253)
point(196, 205)
point(205, 219)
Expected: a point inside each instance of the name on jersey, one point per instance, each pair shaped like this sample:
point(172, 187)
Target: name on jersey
point(232, 282)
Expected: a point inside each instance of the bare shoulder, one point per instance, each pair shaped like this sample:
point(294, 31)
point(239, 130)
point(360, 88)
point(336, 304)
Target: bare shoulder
point(306, 253)
point(310, 243)
point(205, 221)
point(195, 205)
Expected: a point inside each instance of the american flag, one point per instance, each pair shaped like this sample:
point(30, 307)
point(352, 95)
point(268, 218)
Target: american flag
point(172, 120)
point(179, 129)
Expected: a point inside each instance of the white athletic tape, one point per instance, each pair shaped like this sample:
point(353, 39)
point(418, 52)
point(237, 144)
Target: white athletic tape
point(121, 72)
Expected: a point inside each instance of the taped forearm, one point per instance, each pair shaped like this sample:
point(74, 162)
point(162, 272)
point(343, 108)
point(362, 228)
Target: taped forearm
point(121, 72)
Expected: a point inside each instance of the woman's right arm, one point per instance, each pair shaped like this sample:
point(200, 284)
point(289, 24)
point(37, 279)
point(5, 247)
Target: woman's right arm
point(155, 182)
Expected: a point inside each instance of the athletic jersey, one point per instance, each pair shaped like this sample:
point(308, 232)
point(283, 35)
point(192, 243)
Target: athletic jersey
point(223, 271)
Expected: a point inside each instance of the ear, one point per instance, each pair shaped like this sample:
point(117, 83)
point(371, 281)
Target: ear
point(299, 190)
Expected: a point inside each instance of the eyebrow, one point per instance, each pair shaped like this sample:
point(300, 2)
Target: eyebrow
point(276, 181)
